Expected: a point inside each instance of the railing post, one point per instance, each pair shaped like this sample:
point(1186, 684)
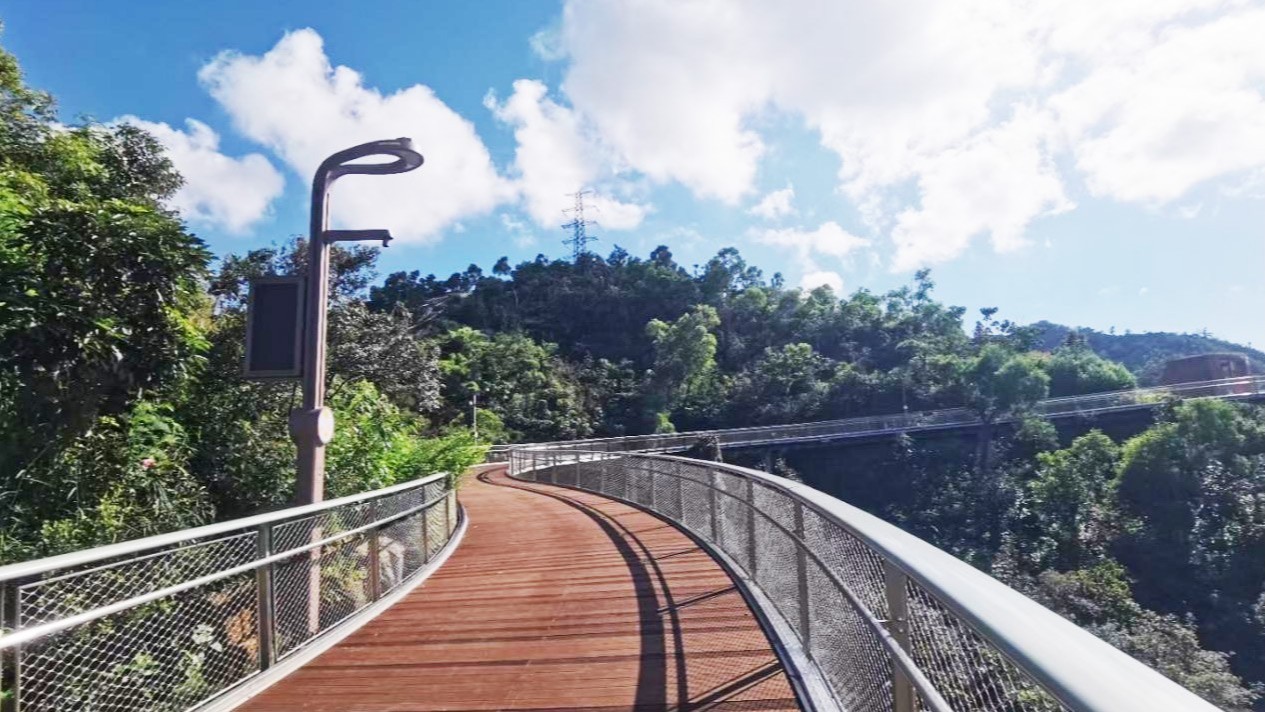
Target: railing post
point(11, 659)
point(654, 501)
point(266, 604)
point(897, 589)
point(801, 579)
point(680, 496)
point(712, 505)
point(448, 502)
point(426, 534)
point(751, 543)
point(375, 547)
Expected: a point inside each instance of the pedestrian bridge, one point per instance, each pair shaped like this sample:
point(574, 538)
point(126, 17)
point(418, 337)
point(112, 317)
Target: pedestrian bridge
point(573, 576)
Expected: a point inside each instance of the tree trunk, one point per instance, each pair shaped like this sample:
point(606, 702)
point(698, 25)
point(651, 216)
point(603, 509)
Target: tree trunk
point(984, 446)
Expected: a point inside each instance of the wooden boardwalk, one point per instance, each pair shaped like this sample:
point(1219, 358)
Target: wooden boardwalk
point(556, 600)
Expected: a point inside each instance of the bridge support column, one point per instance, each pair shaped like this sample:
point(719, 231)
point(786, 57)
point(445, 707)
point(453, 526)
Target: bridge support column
point(897, 587)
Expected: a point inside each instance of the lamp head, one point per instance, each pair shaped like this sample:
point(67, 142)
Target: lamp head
point(401, 149)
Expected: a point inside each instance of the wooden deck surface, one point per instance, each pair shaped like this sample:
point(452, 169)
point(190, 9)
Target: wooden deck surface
point(555, 600)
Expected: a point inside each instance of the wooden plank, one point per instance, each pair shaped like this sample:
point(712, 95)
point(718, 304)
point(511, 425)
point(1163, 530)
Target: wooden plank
point(556, 600)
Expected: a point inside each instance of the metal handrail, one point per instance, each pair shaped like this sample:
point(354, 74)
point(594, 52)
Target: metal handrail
point(177, 621)
point(24, 569)
point(976, 642)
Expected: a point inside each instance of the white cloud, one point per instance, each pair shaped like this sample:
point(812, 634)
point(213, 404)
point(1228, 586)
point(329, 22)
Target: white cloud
point(292, 100)
point(777, 204)
point(829, 240)
point(669, 87)
point(219, 190)
point(953, 121)
point(519, 231)
point(1184, 109)
point(994, 184)
point(812, 280)
point(555, 157)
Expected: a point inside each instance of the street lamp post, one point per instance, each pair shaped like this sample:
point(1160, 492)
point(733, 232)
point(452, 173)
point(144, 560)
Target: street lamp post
point(312, 425)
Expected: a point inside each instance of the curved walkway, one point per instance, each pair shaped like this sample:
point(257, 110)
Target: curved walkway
point(555, 600)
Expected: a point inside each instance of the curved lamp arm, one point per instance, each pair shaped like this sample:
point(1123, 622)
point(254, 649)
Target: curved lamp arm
point(406, 159)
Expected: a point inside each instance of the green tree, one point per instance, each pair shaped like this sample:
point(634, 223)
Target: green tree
point(1069, 502)
point(1075, 369)
point(684, 359)
point(1191, 491)
point(534, 393)
point(785, 385)
point(100, 304)
point(998, 383)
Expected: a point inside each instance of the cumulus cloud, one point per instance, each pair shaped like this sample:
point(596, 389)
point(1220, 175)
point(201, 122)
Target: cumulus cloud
point(294, 101)
point(994, 184)
point(953, 121)
point(829, 239)
point(776, 204)
point(219, 190)
point(556, 156)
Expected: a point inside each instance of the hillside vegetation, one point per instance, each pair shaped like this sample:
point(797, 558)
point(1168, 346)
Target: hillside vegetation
point(1144, 354)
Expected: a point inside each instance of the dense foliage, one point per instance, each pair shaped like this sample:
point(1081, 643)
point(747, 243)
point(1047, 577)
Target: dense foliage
point(122, 411)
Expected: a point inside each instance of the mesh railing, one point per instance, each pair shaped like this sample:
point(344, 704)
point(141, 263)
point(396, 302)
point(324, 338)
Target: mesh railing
point(1071, 406)
point(886, 621)
point(174, 621)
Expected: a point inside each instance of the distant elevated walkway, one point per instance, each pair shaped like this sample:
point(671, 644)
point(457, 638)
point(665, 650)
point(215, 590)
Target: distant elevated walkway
point(1243, 388)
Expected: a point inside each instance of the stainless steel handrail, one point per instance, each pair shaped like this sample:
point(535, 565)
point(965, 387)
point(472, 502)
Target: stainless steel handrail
point(977, 644)
point(176, 621)
point(23, 569)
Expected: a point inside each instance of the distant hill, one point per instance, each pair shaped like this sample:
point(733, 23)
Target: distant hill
point(1145, 354)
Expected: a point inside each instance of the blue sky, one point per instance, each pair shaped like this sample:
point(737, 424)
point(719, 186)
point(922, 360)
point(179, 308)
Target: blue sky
point(1097, 164)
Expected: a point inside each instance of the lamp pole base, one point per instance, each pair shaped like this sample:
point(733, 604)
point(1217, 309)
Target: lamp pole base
point(311, 431)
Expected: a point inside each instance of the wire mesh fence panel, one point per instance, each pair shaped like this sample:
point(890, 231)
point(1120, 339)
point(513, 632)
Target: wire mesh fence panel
point(165, 655)
point(779, 563)
point(846, 650)
point(170, 622)
point(964, 667)
point(82, 590)
point(317, 589)
point(401, 550)
point(436, 532)
point(303, 531)
point(854, 563)
point(734, 519)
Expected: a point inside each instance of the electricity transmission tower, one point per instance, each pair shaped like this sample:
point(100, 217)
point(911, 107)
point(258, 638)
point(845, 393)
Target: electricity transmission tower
point(580, 238)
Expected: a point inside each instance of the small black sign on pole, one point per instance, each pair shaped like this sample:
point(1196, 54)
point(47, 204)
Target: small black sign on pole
point(274, 328)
